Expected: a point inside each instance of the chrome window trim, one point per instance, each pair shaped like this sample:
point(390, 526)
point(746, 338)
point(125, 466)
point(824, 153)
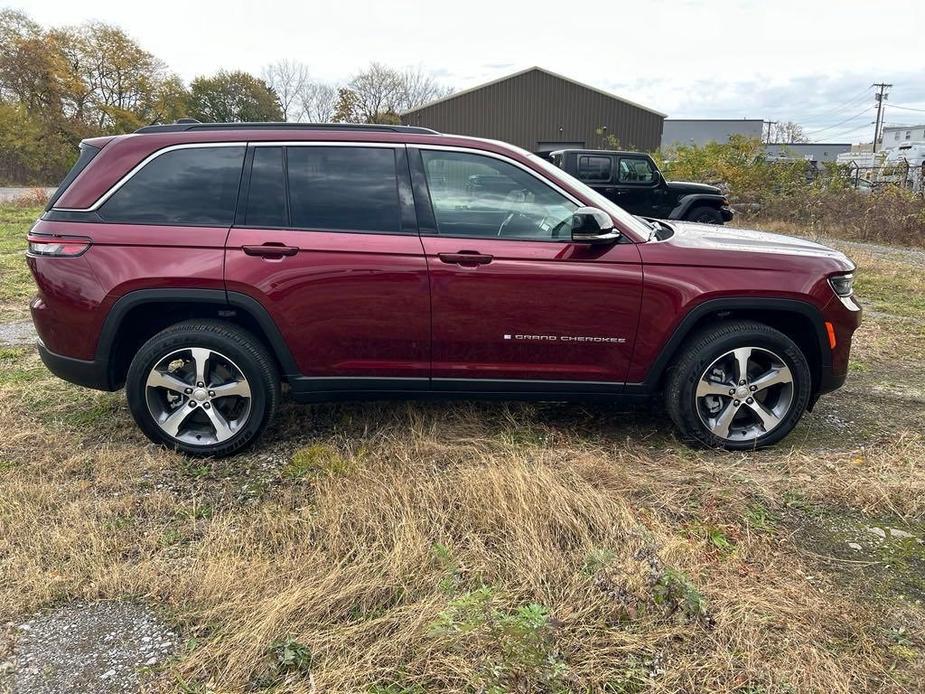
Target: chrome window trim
point(142, 164)
point(325, 143)
point(501, 157)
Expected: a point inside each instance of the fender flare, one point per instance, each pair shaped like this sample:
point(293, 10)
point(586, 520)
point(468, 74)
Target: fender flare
point(684, 328)
point(688, 201)
point(215, 297)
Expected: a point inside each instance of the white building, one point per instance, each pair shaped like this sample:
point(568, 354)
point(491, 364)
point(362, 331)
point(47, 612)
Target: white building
point(895, 135)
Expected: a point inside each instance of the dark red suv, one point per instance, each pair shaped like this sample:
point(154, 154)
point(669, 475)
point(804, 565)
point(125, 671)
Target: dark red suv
point(203, 265)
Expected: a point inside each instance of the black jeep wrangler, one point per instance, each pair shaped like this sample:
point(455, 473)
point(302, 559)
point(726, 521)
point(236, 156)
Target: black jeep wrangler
point(633, 181)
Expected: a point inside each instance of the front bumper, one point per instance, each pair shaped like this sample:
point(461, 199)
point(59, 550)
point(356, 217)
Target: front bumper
point(727, 212)
point(90, 374)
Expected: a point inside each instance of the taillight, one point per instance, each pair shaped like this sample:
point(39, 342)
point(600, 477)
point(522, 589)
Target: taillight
point(58, 246)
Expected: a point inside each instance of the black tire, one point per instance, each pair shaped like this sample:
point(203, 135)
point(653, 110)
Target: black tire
point(700, 353)
point(241, 348)
point(705, 215)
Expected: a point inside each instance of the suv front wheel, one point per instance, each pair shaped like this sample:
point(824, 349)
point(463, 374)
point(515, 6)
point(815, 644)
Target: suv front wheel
point(739, 385)
point(206, 388)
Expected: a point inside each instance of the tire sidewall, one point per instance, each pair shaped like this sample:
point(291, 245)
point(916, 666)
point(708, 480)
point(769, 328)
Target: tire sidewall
point(780, 345)
point(159, 347)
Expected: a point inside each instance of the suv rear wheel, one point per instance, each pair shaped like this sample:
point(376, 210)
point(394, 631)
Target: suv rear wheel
point(705, 215)
point(739, 385)
point(206, 388)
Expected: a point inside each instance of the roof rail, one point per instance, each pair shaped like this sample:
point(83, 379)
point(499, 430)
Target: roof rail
point(187, 124)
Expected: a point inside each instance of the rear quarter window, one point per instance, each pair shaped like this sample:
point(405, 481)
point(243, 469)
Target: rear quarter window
point(190, 186)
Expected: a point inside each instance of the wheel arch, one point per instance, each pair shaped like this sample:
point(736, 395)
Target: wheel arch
point(138, 315)
point(689, 202)
point(801, 321)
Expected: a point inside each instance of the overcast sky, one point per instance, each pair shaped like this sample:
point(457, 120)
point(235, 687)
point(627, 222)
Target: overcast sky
point(811, 61)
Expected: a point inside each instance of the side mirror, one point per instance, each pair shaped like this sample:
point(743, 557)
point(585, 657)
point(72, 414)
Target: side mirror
point(656, 177)
point(591, 225)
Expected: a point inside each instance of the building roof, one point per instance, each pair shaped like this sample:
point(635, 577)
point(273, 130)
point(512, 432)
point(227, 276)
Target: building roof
point(715, 120)
point(523, 72)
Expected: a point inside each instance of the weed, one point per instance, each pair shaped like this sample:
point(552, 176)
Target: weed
point(675, 591)
point(520, 644)
point(316, 460)
point(758, 517)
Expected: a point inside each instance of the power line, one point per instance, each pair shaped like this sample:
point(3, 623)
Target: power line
point(907, 108)
point(832, 127)
point(840, 109)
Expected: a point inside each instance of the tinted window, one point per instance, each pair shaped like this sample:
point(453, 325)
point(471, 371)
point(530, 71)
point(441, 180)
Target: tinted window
point(186, 186)
point(594, 168)
point(266, 198)
point(351, 188)
point(635, 171)
point(481, 196)
point(87, 153)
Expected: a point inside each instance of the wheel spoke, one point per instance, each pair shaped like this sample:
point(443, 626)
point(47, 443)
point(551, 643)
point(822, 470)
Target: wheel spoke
point(172, 424)
point(223, 430)
point(720, 425)
point(200, 357)
point(706, 387)
point(769, 420)
point(234, 388)
point(742, 355)
point(773, 377)
point(158, 379)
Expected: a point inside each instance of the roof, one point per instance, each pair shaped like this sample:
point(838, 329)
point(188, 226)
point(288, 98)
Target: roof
point(534, 68)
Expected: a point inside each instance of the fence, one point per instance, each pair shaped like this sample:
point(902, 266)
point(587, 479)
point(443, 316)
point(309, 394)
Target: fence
point(900, 173)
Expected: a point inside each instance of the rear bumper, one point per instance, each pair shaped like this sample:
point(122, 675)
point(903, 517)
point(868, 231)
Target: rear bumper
point(90, 374)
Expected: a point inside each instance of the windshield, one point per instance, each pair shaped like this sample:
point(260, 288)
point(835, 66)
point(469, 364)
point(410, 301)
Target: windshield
point(637, 225)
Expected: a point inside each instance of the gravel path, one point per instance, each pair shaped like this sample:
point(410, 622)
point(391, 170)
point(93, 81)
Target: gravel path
point(903, 254)
point(20, 332)
point(9, 194)
point(95, 647)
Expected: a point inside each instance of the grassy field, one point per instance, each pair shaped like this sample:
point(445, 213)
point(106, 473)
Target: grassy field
point(408, 548)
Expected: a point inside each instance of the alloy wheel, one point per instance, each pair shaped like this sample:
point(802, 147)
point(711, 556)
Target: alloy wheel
point(744, 394)
point(198, 396)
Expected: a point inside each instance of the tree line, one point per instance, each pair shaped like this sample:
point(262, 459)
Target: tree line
point(60, 85)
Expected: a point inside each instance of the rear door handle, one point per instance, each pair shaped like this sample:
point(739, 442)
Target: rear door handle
point(270, 250)
point(465, 258)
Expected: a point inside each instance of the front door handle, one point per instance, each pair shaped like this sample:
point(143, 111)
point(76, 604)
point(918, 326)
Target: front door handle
point(465, 258)
point(270, 250)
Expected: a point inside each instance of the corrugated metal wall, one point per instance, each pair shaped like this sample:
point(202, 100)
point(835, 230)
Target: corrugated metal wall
point(537, 107)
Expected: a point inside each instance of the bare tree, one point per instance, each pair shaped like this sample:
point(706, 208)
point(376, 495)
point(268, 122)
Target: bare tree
point(418, 88)
point(288, 79)
point(377, 89)
point(319, 102)
point(786, 131)
point(382, 92)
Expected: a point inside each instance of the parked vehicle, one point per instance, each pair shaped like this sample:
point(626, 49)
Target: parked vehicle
point(634, 182)
point(201, 266)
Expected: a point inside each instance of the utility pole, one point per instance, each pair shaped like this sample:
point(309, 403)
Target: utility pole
point(770, 123)
point(880, 96)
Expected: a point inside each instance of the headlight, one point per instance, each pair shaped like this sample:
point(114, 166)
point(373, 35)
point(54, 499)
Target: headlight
point(843, 285)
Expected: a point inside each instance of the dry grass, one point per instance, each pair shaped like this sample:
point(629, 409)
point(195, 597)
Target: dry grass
point(439, 547)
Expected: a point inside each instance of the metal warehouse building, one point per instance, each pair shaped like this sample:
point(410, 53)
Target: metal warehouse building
point(541, 111)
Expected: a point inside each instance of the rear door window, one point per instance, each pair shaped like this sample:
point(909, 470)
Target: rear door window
point(343, 188)
point(594, 169)
point(636, 170)
point(190, 186)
